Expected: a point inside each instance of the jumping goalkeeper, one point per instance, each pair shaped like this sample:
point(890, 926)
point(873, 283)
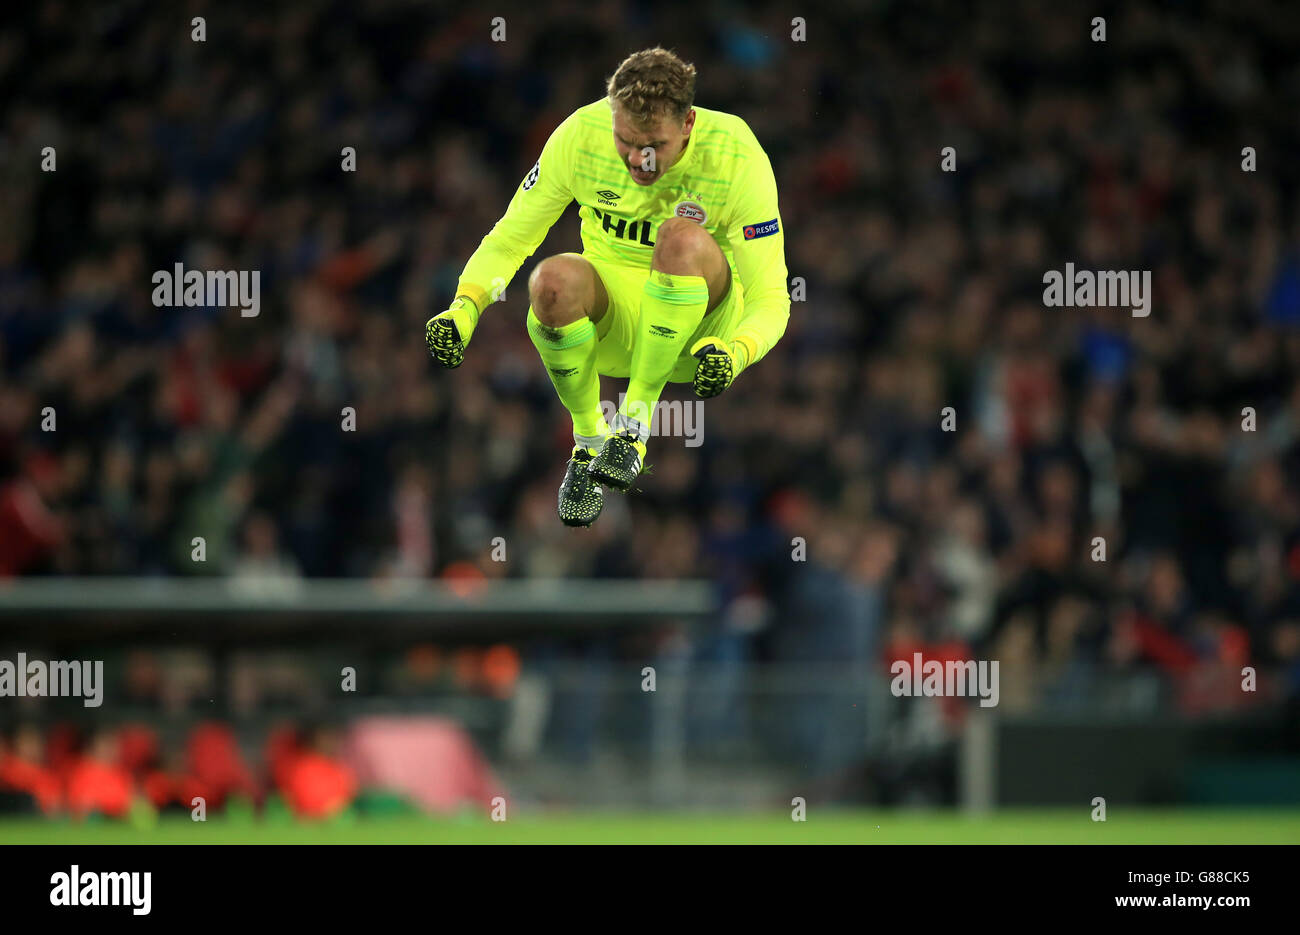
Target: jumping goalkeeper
point(682, 276)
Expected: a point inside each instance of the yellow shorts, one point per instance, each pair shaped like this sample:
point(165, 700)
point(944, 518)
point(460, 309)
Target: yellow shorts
point(617, 329)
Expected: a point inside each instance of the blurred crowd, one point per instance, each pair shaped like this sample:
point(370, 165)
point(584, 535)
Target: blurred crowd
point(1115, 491)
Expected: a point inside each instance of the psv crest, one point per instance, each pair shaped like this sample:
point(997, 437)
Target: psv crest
point(692, 211)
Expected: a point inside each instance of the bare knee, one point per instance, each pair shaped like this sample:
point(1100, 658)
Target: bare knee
point(682, 247)
point(560, 290)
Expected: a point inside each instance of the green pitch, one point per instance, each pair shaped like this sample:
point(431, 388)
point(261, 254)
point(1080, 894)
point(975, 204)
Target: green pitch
point(822, 827)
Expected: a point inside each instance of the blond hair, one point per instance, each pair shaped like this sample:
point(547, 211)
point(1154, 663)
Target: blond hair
point(653, 83)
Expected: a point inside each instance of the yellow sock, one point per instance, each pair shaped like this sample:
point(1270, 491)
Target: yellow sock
point(569, 353)
point(671, 307)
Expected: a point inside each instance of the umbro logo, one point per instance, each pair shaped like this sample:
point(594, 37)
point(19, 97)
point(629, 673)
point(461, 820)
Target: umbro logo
point(563, 372)
point(607, 197)
point(661, 331)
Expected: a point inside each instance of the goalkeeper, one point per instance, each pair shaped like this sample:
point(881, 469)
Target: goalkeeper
point(682, 276)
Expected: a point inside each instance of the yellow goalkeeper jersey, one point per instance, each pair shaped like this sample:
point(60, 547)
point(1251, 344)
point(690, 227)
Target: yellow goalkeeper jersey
point(723, 181)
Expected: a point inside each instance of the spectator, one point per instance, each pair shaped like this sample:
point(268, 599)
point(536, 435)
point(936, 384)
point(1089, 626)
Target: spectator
point(315, 782)
point(23, 772)
point(97, 784)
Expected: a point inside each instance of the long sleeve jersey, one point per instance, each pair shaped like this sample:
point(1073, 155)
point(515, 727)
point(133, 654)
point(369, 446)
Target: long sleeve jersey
point(722, 181)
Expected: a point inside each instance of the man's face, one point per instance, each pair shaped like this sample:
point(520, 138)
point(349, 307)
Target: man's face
point(666, 137)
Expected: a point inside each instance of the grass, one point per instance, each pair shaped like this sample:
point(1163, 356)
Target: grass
point(1275, 826)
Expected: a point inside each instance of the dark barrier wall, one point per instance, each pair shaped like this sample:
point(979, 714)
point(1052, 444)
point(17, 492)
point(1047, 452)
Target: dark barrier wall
point(1155, 763)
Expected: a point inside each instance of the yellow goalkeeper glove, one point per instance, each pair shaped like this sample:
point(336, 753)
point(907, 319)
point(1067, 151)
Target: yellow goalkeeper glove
point(720, 362)
point(447, 334)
